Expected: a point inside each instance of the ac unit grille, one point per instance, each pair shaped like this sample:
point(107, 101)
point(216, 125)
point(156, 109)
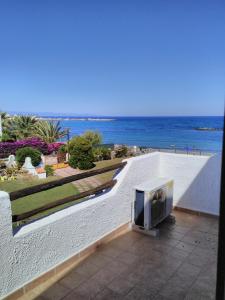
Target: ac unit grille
point(158, 207)
point(153, 202)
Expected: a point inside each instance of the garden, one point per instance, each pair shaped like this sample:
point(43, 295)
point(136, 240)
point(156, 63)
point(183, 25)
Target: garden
point(30, 154)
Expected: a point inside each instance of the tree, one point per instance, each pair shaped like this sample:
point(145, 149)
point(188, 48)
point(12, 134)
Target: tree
point(20, 127)
point(93, 137)
point(49, 131)
point(81, 154)
point(4, 115)
point(4, 118)
point(101, 153)
point(121, 151)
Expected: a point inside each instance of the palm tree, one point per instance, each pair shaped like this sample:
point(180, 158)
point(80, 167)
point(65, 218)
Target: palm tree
point(4, 115)
point(21, 127)
point(49, 131)
point(6, 133)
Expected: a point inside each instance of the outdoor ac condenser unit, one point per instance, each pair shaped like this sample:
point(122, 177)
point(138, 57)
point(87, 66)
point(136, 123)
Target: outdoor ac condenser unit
point(153, 203)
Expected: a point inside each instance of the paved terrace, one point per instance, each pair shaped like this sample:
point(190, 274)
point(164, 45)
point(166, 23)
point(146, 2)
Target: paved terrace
point(82, 185)
point(181, 264)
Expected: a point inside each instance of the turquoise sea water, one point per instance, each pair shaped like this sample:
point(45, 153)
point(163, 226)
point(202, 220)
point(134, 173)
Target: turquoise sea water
point(158, 132)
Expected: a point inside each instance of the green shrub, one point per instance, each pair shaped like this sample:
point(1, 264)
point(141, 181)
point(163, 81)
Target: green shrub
point(81, 154)
point(6, 137)
point(49, 170)
point(34, 154)
point(73, 162)
point(121, 151)
point(101, 153)
point(85, 164)
point(79, 143)
point(93, 137)
point(63, 149)
point(9, 174)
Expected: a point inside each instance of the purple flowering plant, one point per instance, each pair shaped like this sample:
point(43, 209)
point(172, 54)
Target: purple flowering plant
point(7, 148)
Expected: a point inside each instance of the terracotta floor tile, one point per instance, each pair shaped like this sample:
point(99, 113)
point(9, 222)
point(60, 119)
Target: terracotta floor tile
point(128, 258)
point(99, 259)
point(104, 276)
point(138, 293)
point(72, 280)
point(110, 251)
point(121, 285)
point(87, 269)
point(107, 294)
point(179, 264)
point(56, 292)
point(89, 289)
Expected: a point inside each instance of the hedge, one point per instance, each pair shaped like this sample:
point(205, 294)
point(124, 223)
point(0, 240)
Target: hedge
point(33, 153)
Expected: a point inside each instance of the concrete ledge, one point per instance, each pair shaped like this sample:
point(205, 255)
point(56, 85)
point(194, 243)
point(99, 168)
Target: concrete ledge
point(53, 275)
point(194, 212)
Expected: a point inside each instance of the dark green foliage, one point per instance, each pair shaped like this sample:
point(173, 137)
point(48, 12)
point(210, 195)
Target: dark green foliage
point(82, 161)
point(20, 127)
point(86, 164)
point(34, 154)
point(49, 170)
point(93, 137)
point(101, 153)
point(6, 137)
point(49, 131)
point(79, 143)
point(121, 151)
point(73, 162)
point(63, 149)
point(81, 154)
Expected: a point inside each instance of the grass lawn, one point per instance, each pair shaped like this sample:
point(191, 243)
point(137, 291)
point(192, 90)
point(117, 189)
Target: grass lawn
point(30, 202)
point(105, 163)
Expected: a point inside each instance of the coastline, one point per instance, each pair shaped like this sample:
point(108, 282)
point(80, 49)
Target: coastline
point(208, 129)
point(75, 119)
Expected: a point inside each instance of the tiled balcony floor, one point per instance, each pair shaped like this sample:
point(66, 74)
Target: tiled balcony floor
point(181, 264)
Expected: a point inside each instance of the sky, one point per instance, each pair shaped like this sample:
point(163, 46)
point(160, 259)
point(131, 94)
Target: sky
point(115, 57)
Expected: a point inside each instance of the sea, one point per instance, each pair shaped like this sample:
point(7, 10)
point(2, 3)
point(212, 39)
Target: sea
point(192, 133)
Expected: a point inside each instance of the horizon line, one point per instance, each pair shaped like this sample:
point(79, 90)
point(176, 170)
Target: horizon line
point(50, 114)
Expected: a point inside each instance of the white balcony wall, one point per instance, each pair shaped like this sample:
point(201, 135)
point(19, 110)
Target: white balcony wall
point(196, 180)
point(37, 247)
point(45, 243)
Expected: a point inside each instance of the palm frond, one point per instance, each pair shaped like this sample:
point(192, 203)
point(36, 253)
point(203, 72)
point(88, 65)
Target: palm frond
point(49, 131)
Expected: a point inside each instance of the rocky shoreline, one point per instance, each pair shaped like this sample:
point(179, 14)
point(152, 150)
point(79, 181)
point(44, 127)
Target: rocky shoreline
point(208, 129)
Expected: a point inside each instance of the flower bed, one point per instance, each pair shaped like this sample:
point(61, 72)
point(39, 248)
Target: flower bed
point(54, 147)
point(60, 166)
point(7, 148)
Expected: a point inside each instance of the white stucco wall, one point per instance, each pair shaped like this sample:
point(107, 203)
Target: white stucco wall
point(196, 178)
point(41, 245)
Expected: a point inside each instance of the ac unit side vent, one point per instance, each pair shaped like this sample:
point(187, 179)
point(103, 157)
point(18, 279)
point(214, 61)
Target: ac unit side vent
point(153, 202)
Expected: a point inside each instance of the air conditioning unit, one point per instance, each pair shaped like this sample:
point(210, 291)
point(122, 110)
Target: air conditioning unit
point(153, 203)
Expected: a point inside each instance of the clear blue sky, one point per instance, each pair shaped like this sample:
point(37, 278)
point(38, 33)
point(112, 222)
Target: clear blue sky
point(116, 57)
